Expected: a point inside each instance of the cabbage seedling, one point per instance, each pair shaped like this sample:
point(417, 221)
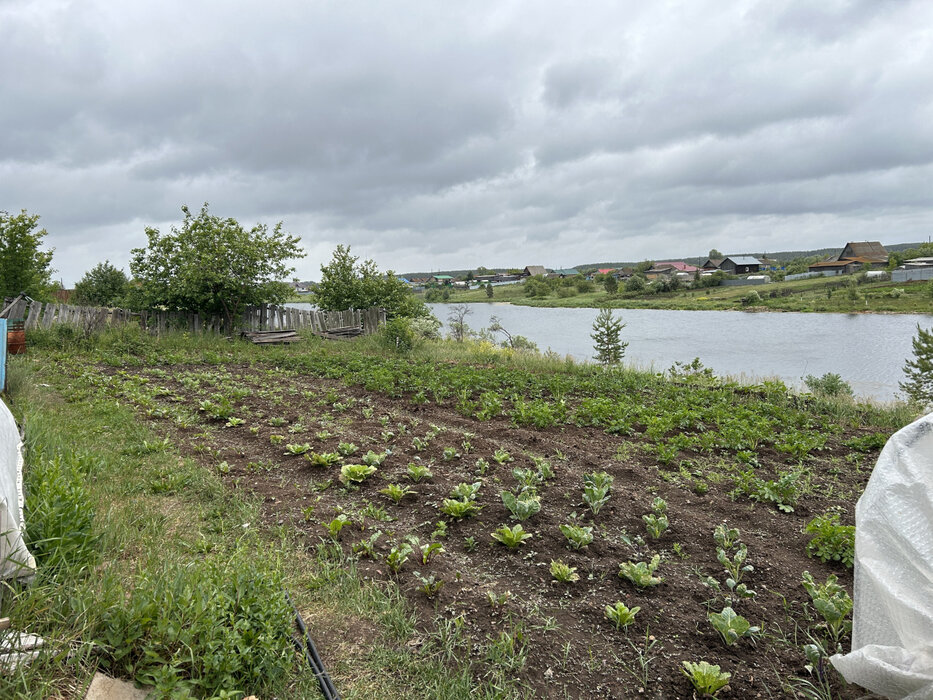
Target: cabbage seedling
point(731, 626)
point(523, 506)
point(295, 449)
point(323, 459)
point(577, 536)
point(641, 573)
point(373, 459)
point(347, 448)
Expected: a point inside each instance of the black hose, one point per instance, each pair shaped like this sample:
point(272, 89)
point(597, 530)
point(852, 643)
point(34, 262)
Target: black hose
point(314, 659)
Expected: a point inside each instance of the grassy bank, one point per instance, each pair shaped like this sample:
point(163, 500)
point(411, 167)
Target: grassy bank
point(826, 295)
point(375, 488)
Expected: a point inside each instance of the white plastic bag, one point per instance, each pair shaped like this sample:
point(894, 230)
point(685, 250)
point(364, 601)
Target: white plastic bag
point(892, 632)
point(15, 559)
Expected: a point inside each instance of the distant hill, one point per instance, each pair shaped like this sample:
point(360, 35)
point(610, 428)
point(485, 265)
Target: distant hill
point(691, 260)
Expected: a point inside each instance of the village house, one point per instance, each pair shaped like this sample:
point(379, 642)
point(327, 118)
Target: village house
point(671, 269)
point(854, 257)
point(533, 270)
point(734, 264)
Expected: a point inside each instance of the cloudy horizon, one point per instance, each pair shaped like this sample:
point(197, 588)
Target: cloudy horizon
point(435, 136)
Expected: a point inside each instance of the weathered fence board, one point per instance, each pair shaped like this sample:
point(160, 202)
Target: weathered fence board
point(254, 319)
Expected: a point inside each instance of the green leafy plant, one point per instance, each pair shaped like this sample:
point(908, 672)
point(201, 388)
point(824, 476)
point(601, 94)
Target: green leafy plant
point(523, 506)
point(373, 459)
point(234, 422)
point(276, 439)
point(395, 492)
point(465, 491)
point(725, 537)
point(655, 524)
point(323, 459)
point(367, 547)
point(831, 541)
point(735, 567)
point(731, 626)
point(218, 406)
point(347, 448)
point(867, 443)
point(430, 585)
point(450, 454)
point(397, 556)
point(351, 474)
point(469, 543)
point(459, 509)
point(596, 487)
point(511, 537)
point(276, 422)
point(323, 435)
point(501, 456)
point(564, 572)
point(641, 573)
point(419, 472)
point(832, 602)
point(296, 449)
point(418, 444)
point(440, 530)
point(621, 615)
point(481, 466)
point(337, 524)
point(429, 550)
point(706, 679)
point(577, 536)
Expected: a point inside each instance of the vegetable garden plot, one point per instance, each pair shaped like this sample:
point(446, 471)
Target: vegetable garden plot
point(585, 545)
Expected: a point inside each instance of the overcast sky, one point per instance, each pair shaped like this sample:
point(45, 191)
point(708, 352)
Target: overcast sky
point(432, 135)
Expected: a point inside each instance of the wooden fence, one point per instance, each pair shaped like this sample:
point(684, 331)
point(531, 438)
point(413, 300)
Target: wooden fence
point(262, 318)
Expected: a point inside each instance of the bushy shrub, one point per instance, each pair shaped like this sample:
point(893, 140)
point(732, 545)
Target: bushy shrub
point(830, 384)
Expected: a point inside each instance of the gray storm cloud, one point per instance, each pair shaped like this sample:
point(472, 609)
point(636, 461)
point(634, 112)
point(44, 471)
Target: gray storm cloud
point(438, 135)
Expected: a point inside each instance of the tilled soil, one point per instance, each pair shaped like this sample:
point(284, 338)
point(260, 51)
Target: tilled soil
point(552, 637)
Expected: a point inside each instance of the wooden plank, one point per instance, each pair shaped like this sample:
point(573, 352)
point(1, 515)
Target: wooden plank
point(32, 320)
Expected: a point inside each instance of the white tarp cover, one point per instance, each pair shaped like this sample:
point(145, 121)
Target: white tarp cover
point(892, 632)
point(15, 559)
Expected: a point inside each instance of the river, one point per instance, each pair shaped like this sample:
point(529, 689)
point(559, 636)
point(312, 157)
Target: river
point(867, 350)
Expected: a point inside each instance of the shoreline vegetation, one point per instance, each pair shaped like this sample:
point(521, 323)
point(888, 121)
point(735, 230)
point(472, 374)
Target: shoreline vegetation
point(424, 511)
point(844, 294)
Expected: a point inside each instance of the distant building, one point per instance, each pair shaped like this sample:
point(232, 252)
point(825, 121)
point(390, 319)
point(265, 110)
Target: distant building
point(532, 270)
point(570, 272)
point(734, 264)
point(671, 269)
point(445, 280)
point(871, 251)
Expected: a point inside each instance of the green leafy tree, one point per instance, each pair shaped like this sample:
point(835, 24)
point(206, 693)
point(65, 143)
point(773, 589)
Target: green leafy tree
point(347, 283)
point(102, 285)
point(611, 284)
point(715, 254)
point(213, 265)
point(606, 335)
point(489, 291)
point(24, 268)
point(919, 370)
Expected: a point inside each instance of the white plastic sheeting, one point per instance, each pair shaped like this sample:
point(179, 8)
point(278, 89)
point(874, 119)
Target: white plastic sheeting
point(15, 559)
point(892, 633)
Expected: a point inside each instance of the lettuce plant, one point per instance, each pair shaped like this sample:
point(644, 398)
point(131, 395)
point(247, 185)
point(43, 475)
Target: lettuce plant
point(459, 509)
point(395, 492)
point(347, 448)
point(323, 459)
point(706, 679)
point(418, 472)
point(564, 572)
point(621, 614)
point(355, 473)
point(523, 506)
point(296, 449)
point(511, 537)
point(373, 459)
